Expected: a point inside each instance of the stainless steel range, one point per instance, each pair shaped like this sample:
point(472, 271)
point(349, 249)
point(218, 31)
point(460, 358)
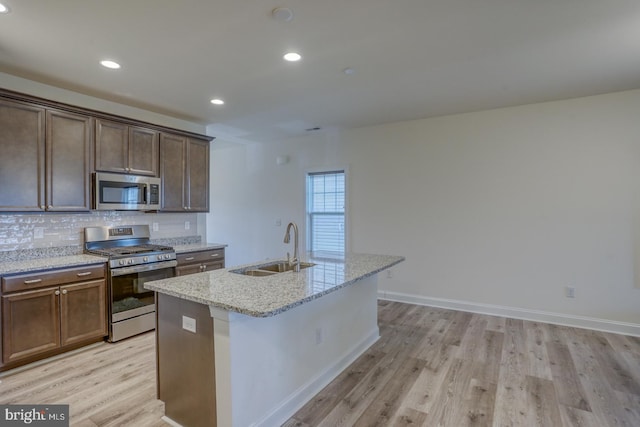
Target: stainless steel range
point(133, 260)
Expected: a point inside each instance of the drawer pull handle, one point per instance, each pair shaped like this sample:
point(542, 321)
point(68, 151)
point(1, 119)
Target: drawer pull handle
point(64, 292)
point(214, 255)
point(31, 282)
point(57, 292)
point(84, 273)
point(189, 258)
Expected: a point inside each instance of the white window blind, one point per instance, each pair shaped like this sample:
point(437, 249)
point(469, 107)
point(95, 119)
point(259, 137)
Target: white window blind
point(325, 211)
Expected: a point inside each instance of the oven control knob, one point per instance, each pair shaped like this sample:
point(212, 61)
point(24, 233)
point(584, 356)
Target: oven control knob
point(167, 256)
point(145, 259)
point(130, 261)
point(121, 262)
point(159, 257)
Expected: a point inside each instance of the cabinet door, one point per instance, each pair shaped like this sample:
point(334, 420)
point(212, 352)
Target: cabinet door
point(214, 265)
point(30, 323)
point(111, 146)
point(68, 165)
point(143, 151)
point(22, 159)
point(83, 312)
point(198, 175)
point(172, 172)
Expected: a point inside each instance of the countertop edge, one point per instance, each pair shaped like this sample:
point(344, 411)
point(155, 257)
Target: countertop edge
point(49, 263)
point(198, 247)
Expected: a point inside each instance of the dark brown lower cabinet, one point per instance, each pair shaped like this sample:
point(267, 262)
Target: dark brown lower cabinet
point(199, 261)
point(30, 323)
point(49, 319)
point(82, 312)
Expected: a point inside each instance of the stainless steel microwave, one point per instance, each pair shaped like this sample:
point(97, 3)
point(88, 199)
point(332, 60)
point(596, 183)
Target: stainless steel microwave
point(115, 192)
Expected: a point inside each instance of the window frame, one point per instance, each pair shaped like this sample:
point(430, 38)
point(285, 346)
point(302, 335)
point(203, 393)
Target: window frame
point(307, 201)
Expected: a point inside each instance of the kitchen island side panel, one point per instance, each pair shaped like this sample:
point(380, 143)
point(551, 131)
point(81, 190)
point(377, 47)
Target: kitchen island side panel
point(267, 368)
point(186, 373)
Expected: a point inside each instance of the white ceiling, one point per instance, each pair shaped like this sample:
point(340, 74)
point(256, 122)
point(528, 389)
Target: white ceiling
point(412, 58)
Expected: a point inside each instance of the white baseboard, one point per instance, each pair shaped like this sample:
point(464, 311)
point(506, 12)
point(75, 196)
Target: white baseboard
point(517, 313)
point(171, 422)
point(297, 399)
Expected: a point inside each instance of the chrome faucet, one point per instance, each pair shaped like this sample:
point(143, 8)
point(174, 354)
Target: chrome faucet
point(296, 258)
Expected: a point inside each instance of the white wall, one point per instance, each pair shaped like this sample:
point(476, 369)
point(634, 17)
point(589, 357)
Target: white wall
point(503, 207)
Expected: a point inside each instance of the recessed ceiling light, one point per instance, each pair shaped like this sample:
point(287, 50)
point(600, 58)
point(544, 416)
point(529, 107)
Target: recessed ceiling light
point(3, 8)
point(110, 64)
point(282, 14)
point(217, 101)
point(292, 57)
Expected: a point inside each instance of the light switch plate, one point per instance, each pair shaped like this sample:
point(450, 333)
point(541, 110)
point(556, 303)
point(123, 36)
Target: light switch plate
point(189, 324)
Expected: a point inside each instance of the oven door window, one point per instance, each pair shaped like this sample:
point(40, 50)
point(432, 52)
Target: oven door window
point(129, 298)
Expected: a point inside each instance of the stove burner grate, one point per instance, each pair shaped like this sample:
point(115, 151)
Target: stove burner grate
point(131, 250)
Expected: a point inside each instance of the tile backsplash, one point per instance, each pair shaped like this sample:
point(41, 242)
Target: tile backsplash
point(51, 230)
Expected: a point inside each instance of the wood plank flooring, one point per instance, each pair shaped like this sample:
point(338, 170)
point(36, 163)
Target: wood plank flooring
point(431, 367)
point(107, 385)
point(436, 367)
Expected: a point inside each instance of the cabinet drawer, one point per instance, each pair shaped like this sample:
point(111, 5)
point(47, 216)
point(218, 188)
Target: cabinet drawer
point(199, 257)
point(23, 282)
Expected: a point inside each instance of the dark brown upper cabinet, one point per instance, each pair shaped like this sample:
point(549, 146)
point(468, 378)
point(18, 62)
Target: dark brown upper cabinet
point(22, 156)
point(68, 161)
point(49, 149)
point(184, 169)
point(45, 161)
point(122, 148)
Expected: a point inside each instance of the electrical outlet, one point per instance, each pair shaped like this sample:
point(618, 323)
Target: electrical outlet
point(570, 292)
point(318, 336)
point(278, 222)
point(389, 274)
point(187, 225)
point(155, 226)
point(189, 324)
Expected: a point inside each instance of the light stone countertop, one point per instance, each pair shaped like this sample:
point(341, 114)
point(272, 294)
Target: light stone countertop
point(196, 247)
point(48, 263)
point(34, 260)
point(270, 295)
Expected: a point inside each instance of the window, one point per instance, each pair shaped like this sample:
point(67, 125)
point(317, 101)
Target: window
point(325, 211)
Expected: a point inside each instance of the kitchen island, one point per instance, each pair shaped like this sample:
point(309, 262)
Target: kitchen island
point(240, 350)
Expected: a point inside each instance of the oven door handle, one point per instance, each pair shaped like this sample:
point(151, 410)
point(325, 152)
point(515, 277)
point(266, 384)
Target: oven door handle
point(140, 268)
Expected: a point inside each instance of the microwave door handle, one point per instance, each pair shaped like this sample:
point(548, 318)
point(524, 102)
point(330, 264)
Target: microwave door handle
point(147, 193)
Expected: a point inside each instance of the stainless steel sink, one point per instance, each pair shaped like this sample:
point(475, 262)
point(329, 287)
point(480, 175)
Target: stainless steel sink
point(281, 267)
point(256, 273)
point(270, 268)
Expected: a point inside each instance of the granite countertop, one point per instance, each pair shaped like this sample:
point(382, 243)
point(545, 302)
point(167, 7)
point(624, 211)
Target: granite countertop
point(48, 263)
point(270, 295)
point(32, 260)
point(195, 247)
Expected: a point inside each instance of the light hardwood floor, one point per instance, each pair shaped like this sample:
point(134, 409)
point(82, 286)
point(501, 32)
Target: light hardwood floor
point(431, 367)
